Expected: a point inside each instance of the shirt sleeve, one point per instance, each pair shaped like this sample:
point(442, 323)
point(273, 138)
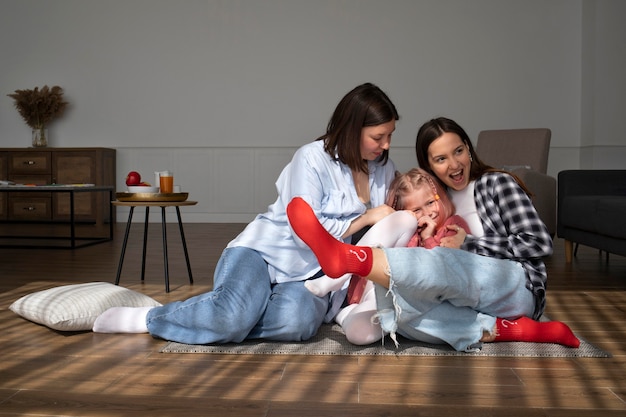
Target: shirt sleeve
point(513, 229)
point(322, 182)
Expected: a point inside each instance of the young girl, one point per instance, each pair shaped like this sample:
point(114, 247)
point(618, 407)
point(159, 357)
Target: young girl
point(426, 211)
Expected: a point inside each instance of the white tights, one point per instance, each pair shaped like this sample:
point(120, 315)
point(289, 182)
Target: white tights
point(357, 320)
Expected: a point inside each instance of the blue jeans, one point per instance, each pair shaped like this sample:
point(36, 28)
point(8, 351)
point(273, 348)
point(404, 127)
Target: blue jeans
point(243, 305)
point(451, 296)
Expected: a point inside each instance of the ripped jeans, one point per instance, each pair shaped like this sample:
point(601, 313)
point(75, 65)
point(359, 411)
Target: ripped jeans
point(451, 296)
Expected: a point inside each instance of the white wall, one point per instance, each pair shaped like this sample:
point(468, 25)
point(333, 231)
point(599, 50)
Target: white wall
point(604, 85)
point(223, 92)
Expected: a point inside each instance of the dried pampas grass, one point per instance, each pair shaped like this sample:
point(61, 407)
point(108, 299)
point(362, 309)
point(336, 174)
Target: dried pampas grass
point(38, 107)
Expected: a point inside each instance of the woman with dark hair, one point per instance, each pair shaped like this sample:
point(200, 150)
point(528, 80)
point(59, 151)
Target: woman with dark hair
point(486, 286)
point(258, 287)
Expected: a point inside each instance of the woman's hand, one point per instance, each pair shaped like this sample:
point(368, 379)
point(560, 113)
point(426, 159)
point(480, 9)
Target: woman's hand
point(455, 241)
point(369, 218)
point(376, 214)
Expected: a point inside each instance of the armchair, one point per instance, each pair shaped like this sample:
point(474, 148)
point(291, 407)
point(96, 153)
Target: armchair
point(524, 152)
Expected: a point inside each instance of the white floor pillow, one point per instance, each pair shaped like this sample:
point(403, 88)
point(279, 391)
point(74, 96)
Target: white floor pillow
point(76, 307)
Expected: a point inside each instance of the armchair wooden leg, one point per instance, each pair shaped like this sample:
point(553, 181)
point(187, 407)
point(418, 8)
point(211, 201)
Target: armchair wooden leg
point(569, 248)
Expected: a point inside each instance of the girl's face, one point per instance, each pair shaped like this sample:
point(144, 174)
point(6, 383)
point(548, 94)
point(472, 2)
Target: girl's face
point(376, 139)
point(449, 158)
point(422, 202)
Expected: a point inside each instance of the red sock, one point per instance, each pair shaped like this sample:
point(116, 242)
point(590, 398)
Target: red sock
point(525, 329)
point(336, 258)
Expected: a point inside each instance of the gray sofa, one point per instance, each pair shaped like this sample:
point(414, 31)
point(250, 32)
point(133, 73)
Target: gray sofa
point(591, 210)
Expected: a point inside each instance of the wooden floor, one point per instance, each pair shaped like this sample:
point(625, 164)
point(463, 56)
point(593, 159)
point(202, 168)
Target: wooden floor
point(46, 373)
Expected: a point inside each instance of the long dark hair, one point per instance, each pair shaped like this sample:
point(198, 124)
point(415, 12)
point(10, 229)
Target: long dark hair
point(366, 105)
point(433, 129)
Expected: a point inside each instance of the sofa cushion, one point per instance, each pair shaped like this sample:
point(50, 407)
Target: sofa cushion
point(612, 210)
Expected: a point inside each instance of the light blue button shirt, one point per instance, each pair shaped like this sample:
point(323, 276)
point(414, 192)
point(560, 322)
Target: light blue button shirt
point(327, 185)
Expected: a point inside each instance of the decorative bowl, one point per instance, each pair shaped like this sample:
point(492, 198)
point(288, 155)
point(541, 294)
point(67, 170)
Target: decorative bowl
point(142, 189)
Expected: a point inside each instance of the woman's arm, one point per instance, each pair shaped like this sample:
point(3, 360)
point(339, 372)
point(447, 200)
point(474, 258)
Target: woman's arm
point(327, 185)
point(369, 218)
point(513, 229)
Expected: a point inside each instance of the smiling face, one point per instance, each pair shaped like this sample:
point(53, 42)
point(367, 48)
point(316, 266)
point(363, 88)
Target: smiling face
point(421, 202)
point(376, 139)
point(449, 159)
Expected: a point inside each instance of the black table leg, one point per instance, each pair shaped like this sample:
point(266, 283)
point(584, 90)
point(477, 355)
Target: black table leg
point(182, 236)
point(145, 243)
point(119, 266)
point(165, 264)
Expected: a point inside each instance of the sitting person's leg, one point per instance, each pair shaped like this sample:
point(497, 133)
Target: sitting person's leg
point(226, 314)
point(293, 314)
point(335, 257)
point(394, 230)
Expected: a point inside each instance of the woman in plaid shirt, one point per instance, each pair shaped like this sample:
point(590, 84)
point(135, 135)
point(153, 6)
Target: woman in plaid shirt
point(493, 289)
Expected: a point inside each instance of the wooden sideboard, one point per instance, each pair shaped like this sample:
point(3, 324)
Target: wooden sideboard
point(35, 213)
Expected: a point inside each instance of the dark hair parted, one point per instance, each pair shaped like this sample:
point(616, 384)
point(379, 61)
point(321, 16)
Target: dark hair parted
point(433, 129)
point(366, 105)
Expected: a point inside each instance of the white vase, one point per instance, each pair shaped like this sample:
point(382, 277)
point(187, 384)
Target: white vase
point(40, 137)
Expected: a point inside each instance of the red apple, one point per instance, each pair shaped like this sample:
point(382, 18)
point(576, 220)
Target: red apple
point(133, 178)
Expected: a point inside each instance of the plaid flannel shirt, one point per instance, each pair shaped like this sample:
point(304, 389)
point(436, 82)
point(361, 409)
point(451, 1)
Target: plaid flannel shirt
point(513, 230)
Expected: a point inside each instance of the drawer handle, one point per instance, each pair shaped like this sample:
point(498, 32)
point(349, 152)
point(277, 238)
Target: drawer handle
point(30, 208)
point(30, 162)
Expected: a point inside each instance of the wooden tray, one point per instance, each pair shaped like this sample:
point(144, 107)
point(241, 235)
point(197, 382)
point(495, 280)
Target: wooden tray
point(151, 196)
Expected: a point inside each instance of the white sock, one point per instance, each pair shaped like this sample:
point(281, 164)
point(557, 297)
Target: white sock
point(323, 285)
point(122, 320)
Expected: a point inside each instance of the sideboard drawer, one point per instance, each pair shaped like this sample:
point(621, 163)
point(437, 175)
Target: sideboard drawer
point(30, 163)
point(30, 208)
point(31, 179)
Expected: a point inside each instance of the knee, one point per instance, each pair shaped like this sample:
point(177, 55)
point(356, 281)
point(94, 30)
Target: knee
point(303, 312)
point(300, 328)
point(403, 219)
point(360, 329)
